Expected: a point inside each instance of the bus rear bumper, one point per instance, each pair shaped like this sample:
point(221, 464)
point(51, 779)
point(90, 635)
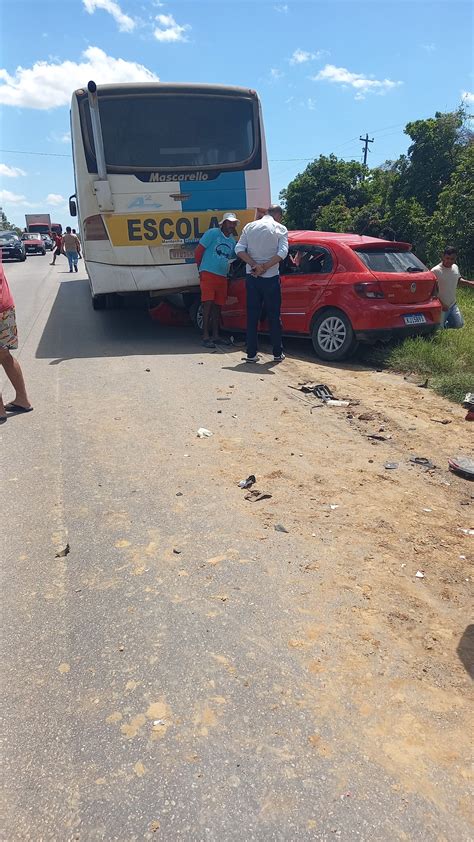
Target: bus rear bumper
point(105, 277)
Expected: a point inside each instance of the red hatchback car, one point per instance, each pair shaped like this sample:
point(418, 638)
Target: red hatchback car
point(339, 289)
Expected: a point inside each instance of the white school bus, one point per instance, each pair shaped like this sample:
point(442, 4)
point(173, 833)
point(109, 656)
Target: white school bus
point(155, 166)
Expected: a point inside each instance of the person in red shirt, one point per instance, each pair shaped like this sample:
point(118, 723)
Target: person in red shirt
point(9, 342)
point(59, 247)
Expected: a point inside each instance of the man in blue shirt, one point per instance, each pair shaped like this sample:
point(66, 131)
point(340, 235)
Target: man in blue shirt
point(216, 248)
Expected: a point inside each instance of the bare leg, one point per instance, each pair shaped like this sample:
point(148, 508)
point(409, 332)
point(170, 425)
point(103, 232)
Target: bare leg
point(15, 376)
point(207, 318)
point(3, 414)
point(215, 320)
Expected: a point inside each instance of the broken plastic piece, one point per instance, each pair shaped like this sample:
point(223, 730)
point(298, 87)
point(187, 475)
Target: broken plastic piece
point(463, 466)
point(247, 483)
point(202, 433)
point(391, 466)
point(255, 496)
point(419, 574)
point(280, 528)
point(423, 461)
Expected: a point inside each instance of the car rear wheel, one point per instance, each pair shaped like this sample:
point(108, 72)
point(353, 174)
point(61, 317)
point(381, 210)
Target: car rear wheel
point(22, 258)
point(196, 314)
point(332, 336)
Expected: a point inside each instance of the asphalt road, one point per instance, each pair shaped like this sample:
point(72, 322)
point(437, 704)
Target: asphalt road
point(149, 688)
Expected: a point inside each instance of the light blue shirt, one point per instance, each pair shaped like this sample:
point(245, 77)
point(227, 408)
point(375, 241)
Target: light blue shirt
point(219, 249)
point(262, 240)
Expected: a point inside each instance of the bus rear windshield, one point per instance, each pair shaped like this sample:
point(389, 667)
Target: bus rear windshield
point(174, 131)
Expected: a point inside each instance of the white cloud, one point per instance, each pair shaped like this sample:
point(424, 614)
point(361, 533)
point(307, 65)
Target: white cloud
point(123, 21)
point(54, 199)
point(282, 8)
point(302, 56)
point(9, 198)
point(46, 86)
point(310, 104)
point(169, 30)
point(11, 172)
point(468, 97)
point(275, 73)
point(362, 84)
point(428, 48)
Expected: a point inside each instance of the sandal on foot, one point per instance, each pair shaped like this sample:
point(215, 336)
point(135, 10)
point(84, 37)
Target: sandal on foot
point(15, 407)
point(208, 343)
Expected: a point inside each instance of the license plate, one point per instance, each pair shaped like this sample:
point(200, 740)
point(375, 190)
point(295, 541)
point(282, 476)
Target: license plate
point(416, 319)
point(181, 254)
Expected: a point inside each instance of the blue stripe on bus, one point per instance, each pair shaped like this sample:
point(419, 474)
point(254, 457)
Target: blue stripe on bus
point(226, 192)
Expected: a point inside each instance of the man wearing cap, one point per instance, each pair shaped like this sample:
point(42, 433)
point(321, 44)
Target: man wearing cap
point(216, 248)
point(262, 246)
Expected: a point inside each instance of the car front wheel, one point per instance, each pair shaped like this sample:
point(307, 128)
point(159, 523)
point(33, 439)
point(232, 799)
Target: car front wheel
point(332, 336)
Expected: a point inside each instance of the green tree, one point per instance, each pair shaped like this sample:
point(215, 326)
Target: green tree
point(5, 225)
point(323, 181)
point(453, 221)
point(335, 216)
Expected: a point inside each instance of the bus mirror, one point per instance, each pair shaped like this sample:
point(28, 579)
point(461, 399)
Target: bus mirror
point(72, 206)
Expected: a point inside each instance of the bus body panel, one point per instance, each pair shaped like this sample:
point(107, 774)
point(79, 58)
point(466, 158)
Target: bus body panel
point(150, 236)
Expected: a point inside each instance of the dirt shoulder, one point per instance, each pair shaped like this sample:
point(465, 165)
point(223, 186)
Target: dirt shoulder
point(382, 650)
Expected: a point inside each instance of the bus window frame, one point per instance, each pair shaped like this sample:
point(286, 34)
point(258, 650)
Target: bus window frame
point(253, 162)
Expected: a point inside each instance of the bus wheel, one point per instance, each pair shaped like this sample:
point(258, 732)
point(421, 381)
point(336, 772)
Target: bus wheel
point(99, 302)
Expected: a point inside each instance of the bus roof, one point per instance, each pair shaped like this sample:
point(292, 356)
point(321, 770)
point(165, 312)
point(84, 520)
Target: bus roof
point(169, 87)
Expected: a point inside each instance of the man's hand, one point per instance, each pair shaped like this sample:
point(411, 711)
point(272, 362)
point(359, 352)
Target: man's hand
point(259, 270)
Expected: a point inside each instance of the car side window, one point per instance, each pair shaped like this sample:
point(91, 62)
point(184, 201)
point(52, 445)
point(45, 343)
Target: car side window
point(307, 260)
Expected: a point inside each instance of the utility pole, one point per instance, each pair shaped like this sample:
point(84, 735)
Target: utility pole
point(366, 140)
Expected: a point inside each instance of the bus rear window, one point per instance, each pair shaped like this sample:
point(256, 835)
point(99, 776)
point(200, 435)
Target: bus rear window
point(386, 260)
point(175, 131)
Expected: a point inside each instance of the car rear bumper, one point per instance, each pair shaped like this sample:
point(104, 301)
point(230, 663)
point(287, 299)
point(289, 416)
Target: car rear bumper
point(386, 334)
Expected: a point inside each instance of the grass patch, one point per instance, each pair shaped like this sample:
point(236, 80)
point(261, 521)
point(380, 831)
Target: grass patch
point(447, 358)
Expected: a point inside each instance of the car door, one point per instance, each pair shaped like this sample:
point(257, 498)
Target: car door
point(305, 274)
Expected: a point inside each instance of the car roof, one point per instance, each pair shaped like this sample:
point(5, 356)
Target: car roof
point(354, 241)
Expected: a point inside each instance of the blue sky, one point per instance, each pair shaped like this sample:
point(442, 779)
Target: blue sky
point(326, 72)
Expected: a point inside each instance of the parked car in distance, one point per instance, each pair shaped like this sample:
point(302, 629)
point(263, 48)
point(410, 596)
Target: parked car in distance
point(47, 241)
point(340, 289)
point(33, 243)
point(11, 246)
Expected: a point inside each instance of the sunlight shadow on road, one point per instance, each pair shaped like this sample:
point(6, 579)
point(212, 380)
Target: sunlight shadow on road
point(75, 331)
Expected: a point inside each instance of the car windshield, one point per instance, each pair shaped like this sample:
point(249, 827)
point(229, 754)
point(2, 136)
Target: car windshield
point(389, 260)
point(9, 237)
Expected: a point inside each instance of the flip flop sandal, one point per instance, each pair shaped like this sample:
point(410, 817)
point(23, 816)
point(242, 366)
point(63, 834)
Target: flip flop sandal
point(222, 340)
point(208, 343)
point(15, 407)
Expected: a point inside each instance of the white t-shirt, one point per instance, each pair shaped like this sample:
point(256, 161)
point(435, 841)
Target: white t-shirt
point(447, 283)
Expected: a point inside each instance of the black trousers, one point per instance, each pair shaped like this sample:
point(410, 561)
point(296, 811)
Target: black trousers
point(263, 292)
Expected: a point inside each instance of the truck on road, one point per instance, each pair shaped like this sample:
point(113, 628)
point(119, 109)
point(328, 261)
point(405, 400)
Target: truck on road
point(38, 223)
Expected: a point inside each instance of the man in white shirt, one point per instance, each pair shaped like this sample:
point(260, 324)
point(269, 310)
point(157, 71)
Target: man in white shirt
point(262, 246)
point(448, 275)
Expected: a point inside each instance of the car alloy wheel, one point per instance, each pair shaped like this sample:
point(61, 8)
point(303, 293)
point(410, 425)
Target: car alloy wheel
point(332, 334)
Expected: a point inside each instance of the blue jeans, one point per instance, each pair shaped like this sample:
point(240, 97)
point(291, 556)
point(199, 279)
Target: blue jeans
point(72, 257)
point(263, 292)
point(452, 317)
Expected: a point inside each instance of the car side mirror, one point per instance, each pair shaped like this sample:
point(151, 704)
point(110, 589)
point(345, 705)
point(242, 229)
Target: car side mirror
point(72, 205)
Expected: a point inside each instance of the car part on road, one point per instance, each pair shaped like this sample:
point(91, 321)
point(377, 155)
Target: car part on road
point(463, 466)
point(419, 574)
point(332, 335)
point(280, 528)
point(247, 483)
point(391, 466)
point(64, 552)
point(423, 462)
point(255, 496)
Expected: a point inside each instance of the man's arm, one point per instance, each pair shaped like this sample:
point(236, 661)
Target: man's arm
point(199, 254)
point(282, 252)
point(241, 250)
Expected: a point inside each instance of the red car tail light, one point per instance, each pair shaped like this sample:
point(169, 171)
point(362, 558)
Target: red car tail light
point(369, 289)
point(94, 228)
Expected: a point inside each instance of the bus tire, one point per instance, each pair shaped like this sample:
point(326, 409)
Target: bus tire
point(99, 302)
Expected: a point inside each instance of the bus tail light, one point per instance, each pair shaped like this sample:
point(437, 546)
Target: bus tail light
point(94, 228)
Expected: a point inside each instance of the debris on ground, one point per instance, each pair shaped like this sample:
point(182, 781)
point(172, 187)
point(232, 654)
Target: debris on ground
point(155, 826)
point(417, 380)
point(202, 433)
point(423, 462)
point(391, 466)
point(255, 496)
point(419, 574)
point(247, 483)
point(441, 420)
point(280, 528)
point(331, 402)
point(468, 531)
point(179, 494)
point(176, 551)
point(64, 552)
point(366, 416)
point(463, 466)
point(321, 391)
point(379, 436)
point(223, 399)
point(468, 403)
point(148, 369)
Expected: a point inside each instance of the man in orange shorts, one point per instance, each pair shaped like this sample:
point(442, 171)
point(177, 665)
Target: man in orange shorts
point(216, 248)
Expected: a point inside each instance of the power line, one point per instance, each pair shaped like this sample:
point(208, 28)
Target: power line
point(25, 152)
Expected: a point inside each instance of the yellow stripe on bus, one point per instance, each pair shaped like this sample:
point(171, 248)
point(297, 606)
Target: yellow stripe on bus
point(166, 228)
